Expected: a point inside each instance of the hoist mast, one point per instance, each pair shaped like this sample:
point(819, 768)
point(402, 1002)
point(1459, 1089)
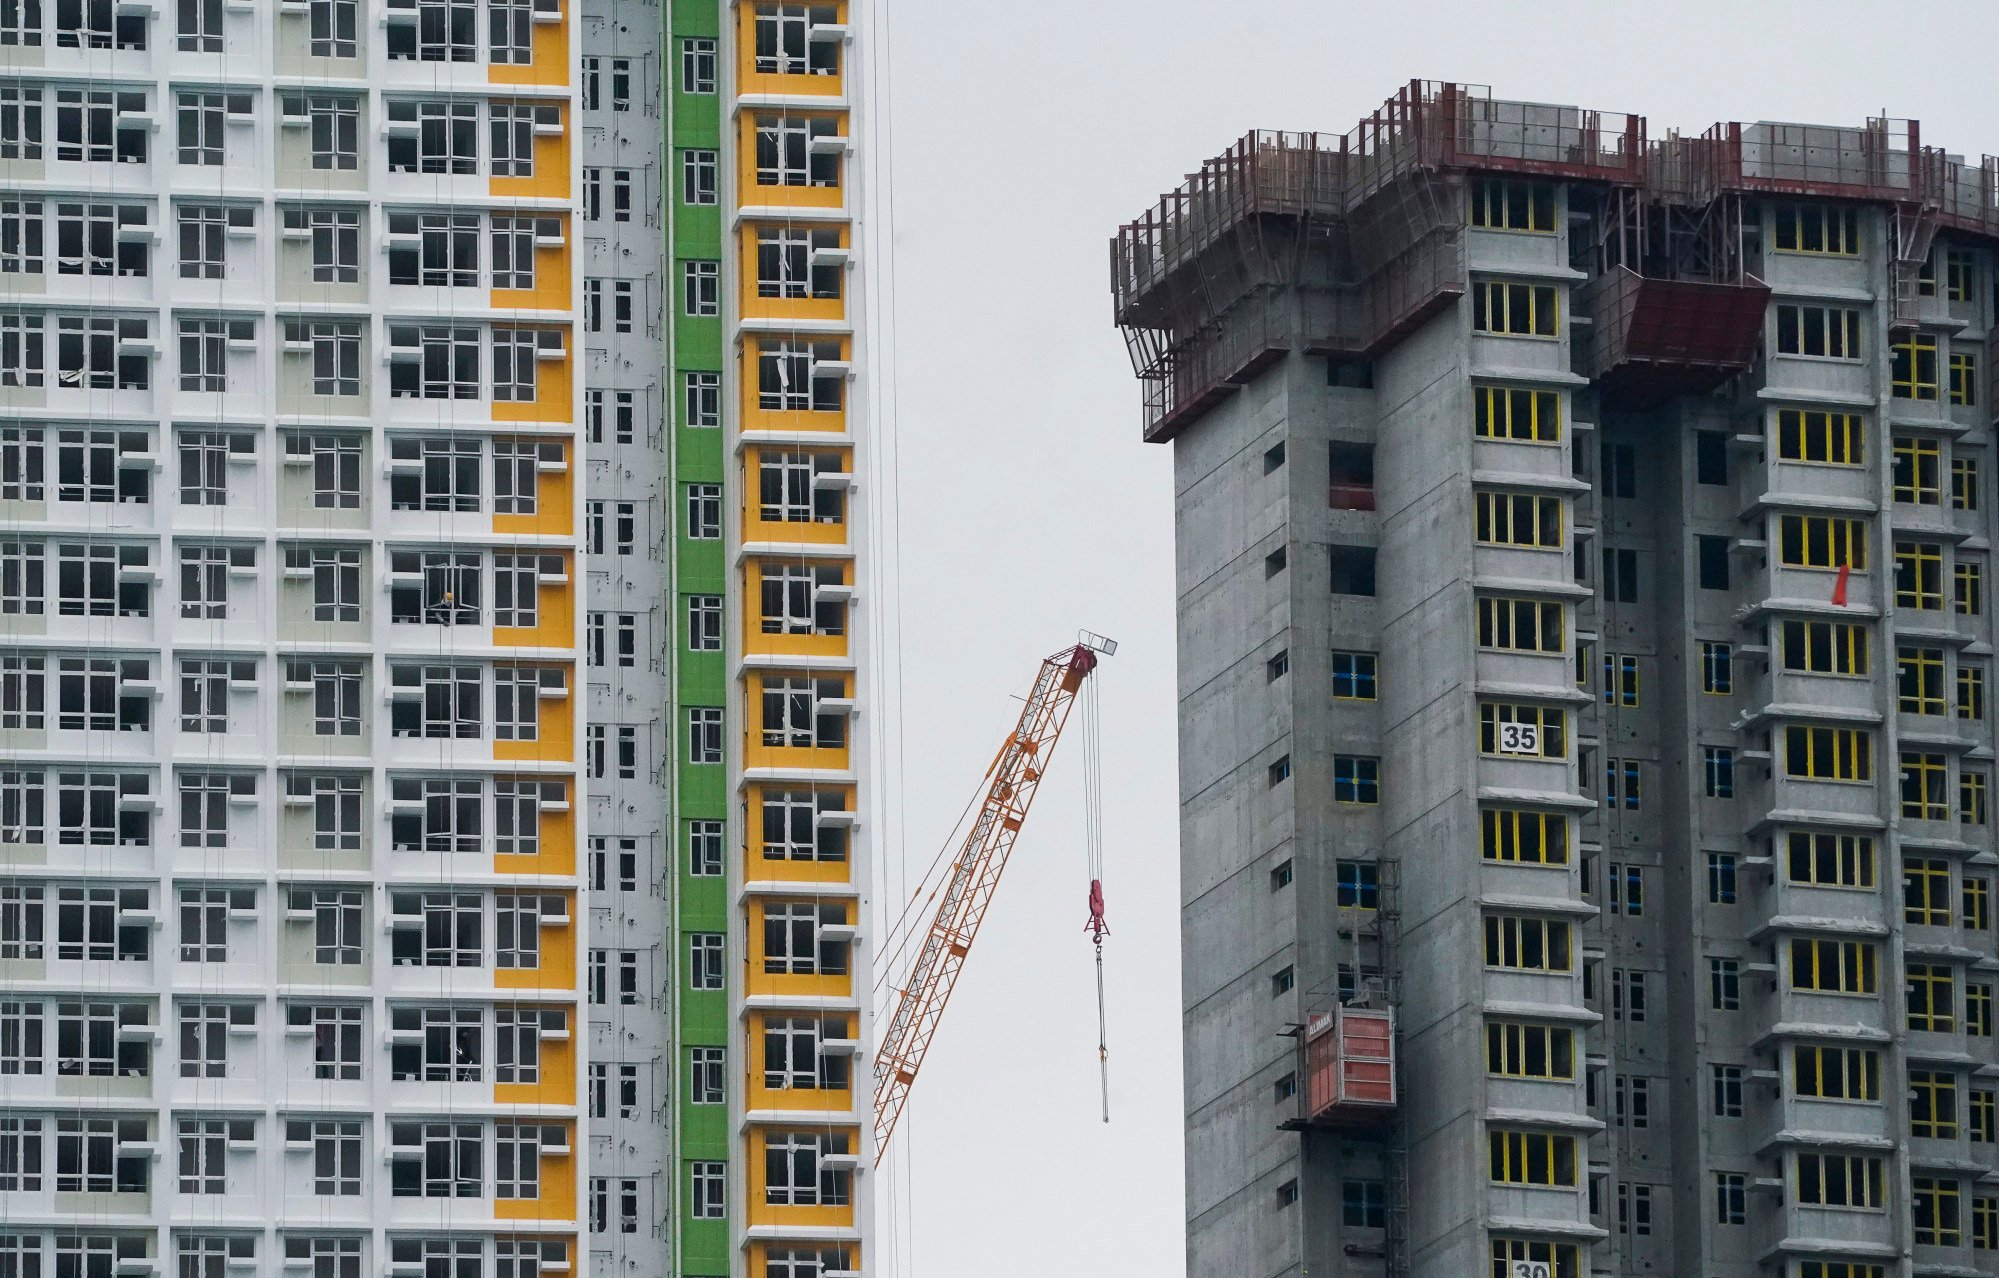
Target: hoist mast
point(1013, 779)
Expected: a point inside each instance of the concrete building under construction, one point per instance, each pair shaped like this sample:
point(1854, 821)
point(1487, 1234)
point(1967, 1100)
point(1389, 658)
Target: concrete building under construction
point(1584, 647)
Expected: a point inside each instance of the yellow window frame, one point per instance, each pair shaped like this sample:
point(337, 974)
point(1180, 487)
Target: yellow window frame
point(1834, 967)
point(1524, 943)
point(1531, 1158)
point(1818, 332)
point(1840, 1180)
point(1504, 619)
point(1963, 379)
point(1524, 836)
point(1919, 575)
point(1821, 438)
point(1933, 1104)
point(1825, 647)
point(1973, 788)
point(1964, 483)
point(1932, 997)
point(1529, 521)
point(1836, 1073)
point(1822, 541)
point(1517, 414)
point(1919, 680)
point(1970, 691)
point(1550, 721)
point(1512, 1047)
point(1512, 204)
point(1510, 308)
point(1912, 367)
point(1823, 230)
point(1850, 856)
point(1935, 1209)
point(1828, 754)
point(1917, 470)
point(1926, 891)
point(1975, 903)
point(1925, 780)
point(1967, 579)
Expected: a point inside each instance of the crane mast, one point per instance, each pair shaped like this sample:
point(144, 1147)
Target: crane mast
point(1014, 777)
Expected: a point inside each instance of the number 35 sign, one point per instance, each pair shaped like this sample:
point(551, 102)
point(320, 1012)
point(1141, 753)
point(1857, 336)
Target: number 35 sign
point(1522, 738)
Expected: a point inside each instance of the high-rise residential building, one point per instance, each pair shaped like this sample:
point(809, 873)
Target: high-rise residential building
point(428, 781)
point(289, 802)
point(1584, 644)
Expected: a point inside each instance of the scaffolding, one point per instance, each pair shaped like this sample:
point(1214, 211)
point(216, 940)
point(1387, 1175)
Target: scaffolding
point(1340, 245)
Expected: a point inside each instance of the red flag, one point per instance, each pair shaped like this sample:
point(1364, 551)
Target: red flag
point(1839, 587)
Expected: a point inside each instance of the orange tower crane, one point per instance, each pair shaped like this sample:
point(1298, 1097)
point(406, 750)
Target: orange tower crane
point(1013, 779)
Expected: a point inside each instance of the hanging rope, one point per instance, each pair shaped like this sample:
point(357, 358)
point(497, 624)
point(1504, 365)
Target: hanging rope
point(1093, 850)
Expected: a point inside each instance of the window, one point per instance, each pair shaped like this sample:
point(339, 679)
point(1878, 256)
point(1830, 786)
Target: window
point(1971, 792)
point(21, 122)
point(784, 46)
point(705, 1081)
point(1919, 575)
point(1840, 1180)
point(1820, 541)
point(1818, 332)
point(1510, 204)
point(1932, 997)
point(1964, 483)
point(201, 118)
point(1519, 519)
point(1984, 1116)
point(1717, 668)
point(1832, 439)
point(1724, 976)
point(1726, 1089)
point(513, 127)
point(1531, 1158)
point(700, 181)
point(1721, 878)
point(1526, 943)
point(1619, 470)
point(1836, 1073)
point(1622, 784)
point(1633, 1102)
point(1977, 1009)
point(445, 363)
point(1917, 469)
point(790, 264)
point(513, 243)
point(1932, 1104)
point(334, 347)
point(1919, 680)
point(703, 399)
point(336, 923)
point(1831, 860)
point(334, 27)
point(1514, 1050)
point(1977, 903)
point(1283, 981)
point(335, 685)
point(704, 968)
point(1731, 1198)
point(1364, 1204)
point(698, 62)
point(1356, 779)
point(708, 1199)
point(1828, 754)
point(1620, 575)
point(1712, 556)
point(1620, 679)
point(1515, 1256)
point(1968, 588)
point(701, 289)
point(1934, 1212)
point(1963, 378)
point(1833, 967)
point(1516, 310)
point(336, 1153)
point(1507, 728)
point(1525, 836)
point(204, 921)
point(1520, 625)
point(1924, 778)
point(1912, 368)
point(333, 128)
point(1824, 647)
point(795, 1170)
point(1353, 676)
point(1816, 228)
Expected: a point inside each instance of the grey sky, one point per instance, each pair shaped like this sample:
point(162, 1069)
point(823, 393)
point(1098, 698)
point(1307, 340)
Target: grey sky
point(1023, 134)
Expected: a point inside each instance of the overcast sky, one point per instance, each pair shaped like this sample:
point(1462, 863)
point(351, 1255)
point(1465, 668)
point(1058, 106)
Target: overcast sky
point(1023, 134)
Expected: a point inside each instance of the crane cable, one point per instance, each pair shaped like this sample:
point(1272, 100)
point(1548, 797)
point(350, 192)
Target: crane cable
point(1093, 848)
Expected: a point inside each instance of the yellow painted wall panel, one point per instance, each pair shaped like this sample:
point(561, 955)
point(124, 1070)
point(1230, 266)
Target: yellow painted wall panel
point(750, 80)
point(548, 56)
